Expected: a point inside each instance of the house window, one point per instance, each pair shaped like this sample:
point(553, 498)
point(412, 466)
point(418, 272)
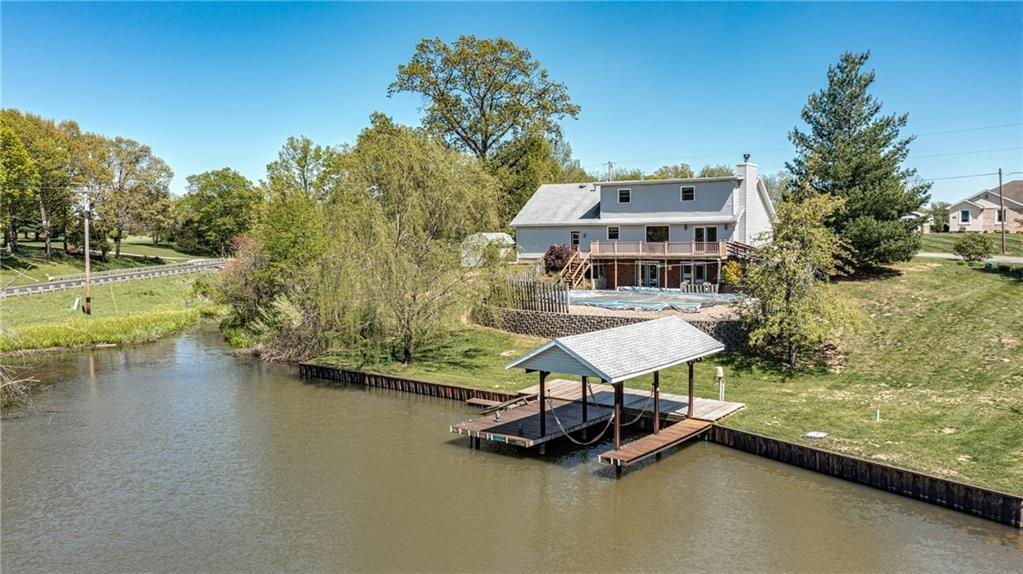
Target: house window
point(624, 196)
point(964, 216)
point(694, 273)
point(1000, 215)
point(706, 234)
point(657, 233)
point(575, 239)
point(612, 232)
point(688, 193)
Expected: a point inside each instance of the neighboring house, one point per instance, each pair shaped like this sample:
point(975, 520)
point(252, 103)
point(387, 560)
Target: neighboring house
point(924, 222)
point(980, 212)
point(653, 233)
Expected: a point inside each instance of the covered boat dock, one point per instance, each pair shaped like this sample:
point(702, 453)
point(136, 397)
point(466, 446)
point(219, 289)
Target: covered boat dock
point(610, 357)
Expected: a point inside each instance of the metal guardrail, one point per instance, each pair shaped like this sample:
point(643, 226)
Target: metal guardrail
point(141, 269)
point(104, 277)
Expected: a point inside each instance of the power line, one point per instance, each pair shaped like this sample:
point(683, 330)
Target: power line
point(791, 148)
point(961, 176)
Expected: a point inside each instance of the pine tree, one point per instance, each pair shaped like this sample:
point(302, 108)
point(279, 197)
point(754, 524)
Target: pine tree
point(853, 151)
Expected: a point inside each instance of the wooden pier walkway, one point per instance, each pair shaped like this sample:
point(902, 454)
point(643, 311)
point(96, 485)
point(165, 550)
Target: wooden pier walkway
point(673, 407)
point(653, 444)
point(521, 425)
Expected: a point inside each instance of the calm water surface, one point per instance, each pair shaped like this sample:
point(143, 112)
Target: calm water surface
point(179, 457)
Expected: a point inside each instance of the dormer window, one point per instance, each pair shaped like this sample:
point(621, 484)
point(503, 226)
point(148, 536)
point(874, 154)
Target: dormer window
point(688, 193)
point(625, 196)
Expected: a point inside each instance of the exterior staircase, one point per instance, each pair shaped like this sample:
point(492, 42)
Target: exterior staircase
point(575, 270)
point(741, 251)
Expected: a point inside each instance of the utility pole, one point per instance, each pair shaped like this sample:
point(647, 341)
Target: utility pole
point(1001, 208)
point(610, 167)
point(87, 308)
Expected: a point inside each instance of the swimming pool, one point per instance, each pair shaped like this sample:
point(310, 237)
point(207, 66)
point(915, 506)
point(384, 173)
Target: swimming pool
point(648, 299)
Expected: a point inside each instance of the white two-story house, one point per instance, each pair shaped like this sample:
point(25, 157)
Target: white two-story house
point(654, 233)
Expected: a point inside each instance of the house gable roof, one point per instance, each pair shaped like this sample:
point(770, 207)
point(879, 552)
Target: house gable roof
point(1012, 190)
point(560, 204)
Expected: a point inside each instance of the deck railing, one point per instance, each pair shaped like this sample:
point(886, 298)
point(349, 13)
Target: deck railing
point(660, 248)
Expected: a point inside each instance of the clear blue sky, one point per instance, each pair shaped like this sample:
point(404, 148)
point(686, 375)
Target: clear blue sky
point(214, 85)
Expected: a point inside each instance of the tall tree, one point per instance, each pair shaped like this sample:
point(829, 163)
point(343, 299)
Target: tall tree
point(218, 206)
point(938, 211)
point(716, 171)
point(49, 145)
point(858, 155)
point(481, 92)
point(676, 171)
point(777, 185)
point(300, 165)
point(521, 166)
point(19, 177)
point(139, 180)
point(788, 306)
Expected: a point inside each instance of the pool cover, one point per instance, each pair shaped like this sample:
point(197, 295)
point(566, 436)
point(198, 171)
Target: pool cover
point(648, 299)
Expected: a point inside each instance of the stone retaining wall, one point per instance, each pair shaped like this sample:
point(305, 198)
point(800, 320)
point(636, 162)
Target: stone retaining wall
point(552, 325)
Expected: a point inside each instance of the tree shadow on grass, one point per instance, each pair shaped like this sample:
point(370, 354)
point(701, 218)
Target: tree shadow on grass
point(750, 365)
point(869, 274)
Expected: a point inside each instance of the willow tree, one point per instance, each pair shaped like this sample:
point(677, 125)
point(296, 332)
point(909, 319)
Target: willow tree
point(415, 201)
point(858, 155)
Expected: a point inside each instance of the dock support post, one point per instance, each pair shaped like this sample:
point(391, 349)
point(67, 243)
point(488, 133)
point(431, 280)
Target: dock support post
point(543, 404)
point(584, 398)
point(689, 407)
point(657, 402)
point(619, 393)
point(618, 470)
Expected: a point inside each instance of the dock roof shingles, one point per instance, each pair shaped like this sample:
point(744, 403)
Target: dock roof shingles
point(632, 350)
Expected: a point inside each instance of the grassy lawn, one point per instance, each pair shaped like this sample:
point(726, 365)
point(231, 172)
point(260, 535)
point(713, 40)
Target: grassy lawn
point(943, 242)
point(465, 355)
point(142, 245)
point(941, 354)
point(129, 312)
point(29, 266)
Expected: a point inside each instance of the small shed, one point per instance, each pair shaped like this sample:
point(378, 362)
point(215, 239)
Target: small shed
point(475, 246)
point(622, 353)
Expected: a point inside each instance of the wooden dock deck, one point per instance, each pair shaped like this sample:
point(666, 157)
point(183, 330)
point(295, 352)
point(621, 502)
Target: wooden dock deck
point(673, 407)
point(654, 444)
point(521, 425)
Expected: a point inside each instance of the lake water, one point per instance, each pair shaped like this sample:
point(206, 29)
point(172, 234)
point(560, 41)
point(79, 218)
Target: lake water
point(177, 456)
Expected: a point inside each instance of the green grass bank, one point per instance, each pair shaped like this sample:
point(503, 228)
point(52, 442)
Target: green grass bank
point(943, 242)
point(940, 353)
point(122, 313)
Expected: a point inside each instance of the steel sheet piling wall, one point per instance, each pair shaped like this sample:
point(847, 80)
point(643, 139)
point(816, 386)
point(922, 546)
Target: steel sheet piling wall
point(990, 504)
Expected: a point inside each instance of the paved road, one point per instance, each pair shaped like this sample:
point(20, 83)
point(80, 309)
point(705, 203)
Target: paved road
point(100, 278)
point(1011, 259)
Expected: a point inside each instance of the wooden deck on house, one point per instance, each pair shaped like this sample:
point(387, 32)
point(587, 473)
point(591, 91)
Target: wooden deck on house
point(673, 407)
point(520, 425)
point(654, 444)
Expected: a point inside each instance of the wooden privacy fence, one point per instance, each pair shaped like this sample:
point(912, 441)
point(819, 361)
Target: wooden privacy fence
point(535, 296)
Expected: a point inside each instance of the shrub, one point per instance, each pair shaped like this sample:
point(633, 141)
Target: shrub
point(974, 247)
point(731, 273)
point(557, 257)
